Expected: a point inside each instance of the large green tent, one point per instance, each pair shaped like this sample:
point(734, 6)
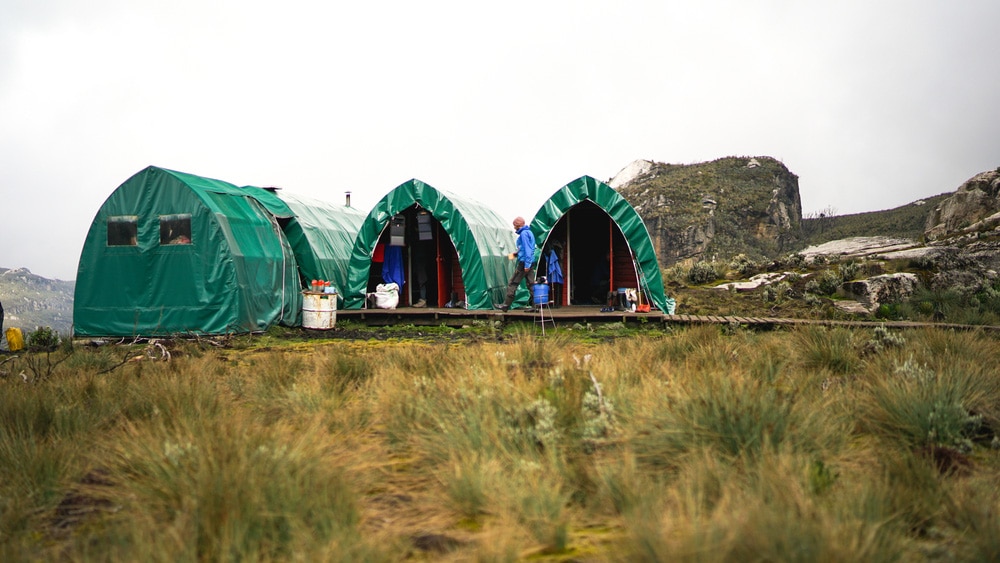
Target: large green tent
point(172, 253)
point(459, 246)
point(605, 244)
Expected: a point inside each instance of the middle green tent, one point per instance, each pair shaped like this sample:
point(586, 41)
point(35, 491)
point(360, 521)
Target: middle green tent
point(442, 250)
point(321, 235)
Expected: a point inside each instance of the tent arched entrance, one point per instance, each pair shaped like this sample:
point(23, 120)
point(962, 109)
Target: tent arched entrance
point(595, 257)
point(470, 240)
point(588, 213)
point(416, 252)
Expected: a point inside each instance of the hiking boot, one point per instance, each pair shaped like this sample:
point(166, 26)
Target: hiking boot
point(420, 304)
point(504, 308)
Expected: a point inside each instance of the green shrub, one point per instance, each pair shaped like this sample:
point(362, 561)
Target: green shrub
point(883, 339)
point(744, 265)
point(825, 283)
point(791, 261)
point(848, 271)
point(537, 423)
point(888, 311)
point(702, 272)
point(43, 339)
point(936, 302)
point(776, 293)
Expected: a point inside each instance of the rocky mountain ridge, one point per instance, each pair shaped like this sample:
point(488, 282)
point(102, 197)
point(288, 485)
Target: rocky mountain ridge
point(30, 301)
point(948, 244)
point(732, 205)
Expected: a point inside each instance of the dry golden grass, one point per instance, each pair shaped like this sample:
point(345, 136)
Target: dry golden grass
point(696, 446)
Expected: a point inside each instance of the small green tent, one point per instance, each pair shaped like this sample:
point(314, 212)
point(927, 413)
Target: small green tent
point(457, 246)
point(171, 253)
point(605, 244)
point(322, 236)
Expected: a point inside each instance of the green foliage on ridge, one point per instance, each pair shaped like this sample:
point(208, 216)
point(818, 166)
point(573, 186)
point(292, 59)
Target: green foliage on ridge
point(906, 221)
point(671, 198)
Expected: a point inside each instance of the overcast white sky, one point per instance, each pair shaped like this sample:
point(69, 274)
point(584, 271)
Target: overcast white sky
point(872, 103)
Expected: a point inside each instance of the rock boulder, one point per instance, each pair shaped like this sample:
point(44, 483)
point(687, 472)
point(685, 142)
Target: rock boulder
point(878, 290)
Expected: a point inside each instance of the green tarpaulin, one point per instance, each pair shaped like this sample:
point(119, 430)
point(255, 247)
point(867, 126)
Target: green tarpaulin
point(173, 253)
point(595, 202)
point(480, 237)
point(322, 236)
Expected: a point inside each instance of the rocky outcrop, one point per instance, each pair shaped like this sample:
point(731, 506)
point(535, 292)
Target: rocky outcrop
point(967, 268)
point(756, 281)
point(634, 170)
point(858, 247)
point(715, 209)
point(974, 207)
point(877, 290)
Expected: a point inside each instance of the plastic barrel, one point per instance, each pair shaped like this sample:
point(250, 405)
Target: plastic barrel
point(541, 293)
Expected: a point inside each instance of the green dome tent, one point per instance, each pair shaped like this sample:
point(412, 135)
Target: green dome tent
point(605, 244)
point(172, 253)
point(321, 235)
point(459, 246)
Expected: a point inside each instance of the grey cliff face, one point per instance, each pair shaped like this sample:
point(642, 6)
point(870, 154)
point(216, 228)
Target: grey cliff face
point(974, 207)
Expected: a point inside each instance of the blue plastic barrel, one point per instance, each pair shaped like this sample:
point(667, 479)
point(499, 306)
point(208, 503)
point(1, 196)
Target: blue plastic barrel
point(541, 293)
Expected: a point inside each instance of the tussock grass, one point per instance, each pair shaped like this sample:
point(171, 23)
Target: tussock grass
point(698, 445)
point(833, 350)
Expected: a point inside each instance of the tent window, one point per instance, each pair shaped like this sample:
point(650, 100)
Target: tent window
point(175, 229)
point(122, 230)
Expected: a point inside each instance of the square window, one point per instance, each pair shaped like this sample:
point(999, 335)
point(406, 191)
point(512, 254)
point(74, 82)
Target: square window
point(175, 229)
point(122, 230)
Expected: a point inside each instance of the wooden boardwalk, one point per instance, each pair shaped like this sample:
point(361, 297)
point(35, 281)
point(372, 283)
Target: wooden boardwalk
point(587, 314)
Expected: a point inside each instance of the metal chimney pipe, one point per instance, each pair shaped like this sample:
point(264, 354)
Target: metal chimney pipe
point(348, 199)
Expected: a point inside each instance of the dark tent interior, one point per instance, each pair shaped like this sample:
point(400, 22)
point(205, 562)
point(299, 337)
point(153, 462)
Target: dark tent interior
point(414, 248)
point(596, 259)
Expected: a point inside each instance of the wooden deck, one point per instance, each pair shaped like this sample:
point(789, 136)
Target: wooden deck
point(592, 314)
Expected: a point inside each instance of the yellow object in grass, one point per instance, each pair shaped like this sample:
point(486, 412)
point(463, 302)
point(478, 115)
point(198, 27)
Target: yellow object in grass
point(15, 339)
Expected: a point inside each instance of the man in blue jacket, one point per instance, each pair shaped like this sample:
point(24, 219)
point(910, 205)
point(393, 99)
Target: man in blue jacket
point(525, 257)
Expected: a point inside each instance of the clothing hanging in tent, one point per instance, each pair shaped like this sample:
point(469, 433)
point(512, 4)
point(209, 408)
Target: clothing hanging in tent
point(553, 271)
point(392, 267)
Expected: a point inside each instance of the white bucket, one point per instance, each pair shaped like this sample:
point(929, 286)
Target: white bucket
point(319, 310)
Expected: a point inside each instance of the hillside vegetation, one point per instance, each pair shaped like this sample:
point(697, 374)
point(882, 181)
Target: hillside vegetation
point(907, 221)
point(751, 206)
point(30, 301)
point(721, 208)
point(697, 445)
